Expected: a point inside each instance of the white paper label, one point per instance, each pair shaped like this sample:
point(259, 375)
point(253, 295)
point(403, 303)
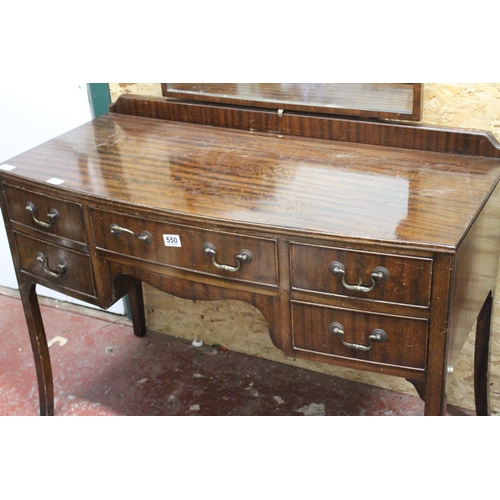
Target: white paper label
point(54, 180)
point(172, 240)
point(7, 167)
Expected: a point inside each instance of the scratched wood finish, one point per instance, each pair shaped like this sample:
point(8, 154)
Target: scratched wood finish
point(371, 200)
point(406, 343)
point(189, 254)
point(249, 179)
point(409, 281)
point(78, 276)
point(476, 269)
point(69, 225)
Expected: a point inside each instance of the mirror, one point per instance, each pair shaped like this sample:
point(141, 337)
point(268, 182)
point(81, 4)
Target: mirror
point(368, 100)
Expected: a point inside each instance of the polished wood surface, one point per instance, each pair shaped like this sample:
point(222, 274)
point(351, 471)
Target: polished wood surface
point(189, 253)
point(396, 135)
point(297, 204)
point(409, 279)
point(78, 274)
point(68, 225)
point(406, 344)
point(277, 183)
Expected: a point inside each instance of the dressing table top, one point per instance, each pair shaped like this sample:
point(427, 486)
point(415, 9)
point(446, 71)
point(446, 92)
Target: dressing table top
point(281, 183)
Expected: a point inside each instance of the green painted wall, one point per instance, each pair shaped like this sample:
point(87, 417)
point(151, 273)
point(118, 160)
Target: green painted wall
point(100, 98)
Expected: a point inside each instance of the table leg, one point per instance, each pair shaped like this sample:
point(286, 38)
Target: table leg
point(481, 361)
point(136, 304)
point(39, 346)
point(482, 358)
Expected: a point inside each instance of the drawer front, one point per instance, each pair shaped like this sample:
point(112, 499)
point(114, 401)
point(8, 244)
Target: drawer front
point(183, 247)
point(61, 266)
point(408, 281)
point(49, 215)
point(318, 329)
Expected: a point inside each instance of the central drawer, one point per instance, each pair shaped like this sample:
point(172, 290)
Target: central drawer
point(194, 249)
point(395, 340)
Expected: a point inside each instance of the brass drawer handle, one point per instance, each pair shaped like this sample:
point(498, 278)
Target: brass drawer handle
point(145, 236)
point(53, 216)
point(378, 275)
point(62, 267)
point(244, 256)
point(377, 335)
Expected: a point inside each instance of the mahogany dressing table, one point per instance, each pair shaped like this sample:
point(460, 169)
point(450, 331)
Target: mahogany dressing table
point(368, 243)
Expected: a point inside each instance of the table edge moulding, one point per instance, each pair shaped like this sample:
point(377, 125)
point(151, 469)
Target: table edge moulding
point(365, 243)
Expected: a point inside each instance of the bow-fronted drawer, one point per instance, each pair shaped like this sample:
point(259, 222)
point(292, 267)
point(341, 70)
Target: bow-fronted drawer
point(48, 215)
point(350, 273)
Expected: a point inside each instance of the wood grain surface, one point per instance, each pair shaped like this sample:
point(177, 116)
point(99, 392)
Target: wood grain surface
point(241, 327)
point(376, 193)
point(416, 203)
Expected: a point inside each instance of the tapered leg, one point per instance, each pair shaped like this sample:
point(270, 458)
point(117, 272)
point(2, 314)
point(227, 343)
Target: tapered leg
point(39, 346)
point(482, 358)
point(136, 304)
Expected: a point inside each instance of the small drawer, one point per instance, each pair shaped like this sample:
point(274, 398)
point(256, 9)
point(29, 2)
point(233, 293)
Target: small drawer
point(349, 273)
point(49, 215)
point(67, 269)
point(231, 256)
point(395, 340)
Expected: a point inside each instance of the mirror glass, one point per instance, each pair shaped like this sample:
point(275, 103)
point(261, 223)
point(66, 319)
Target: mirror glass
point(396, 100)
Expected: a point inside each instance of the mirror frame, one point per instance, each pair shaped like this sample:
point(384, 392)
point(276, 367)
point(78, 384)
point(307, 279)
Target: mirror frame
point(414, 115)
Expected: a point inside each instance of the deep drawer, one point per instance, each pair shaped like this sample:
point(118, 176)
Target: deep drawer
point(405, 344)
point(54, 216)
point(409, 280)
point(183, 247)
point(58, 265)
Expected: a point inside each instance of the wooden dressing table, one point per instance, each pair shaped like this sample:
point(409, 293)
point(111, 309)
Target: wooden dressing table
point(365, 243)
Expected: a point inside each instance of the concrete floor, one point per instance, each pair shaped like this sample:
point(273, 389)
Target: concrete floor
point(100, 368)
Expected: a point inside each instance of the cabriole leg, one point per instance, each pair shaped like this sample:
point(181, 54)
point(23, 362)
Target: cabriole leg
point(39, 346)
point(482, 358)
